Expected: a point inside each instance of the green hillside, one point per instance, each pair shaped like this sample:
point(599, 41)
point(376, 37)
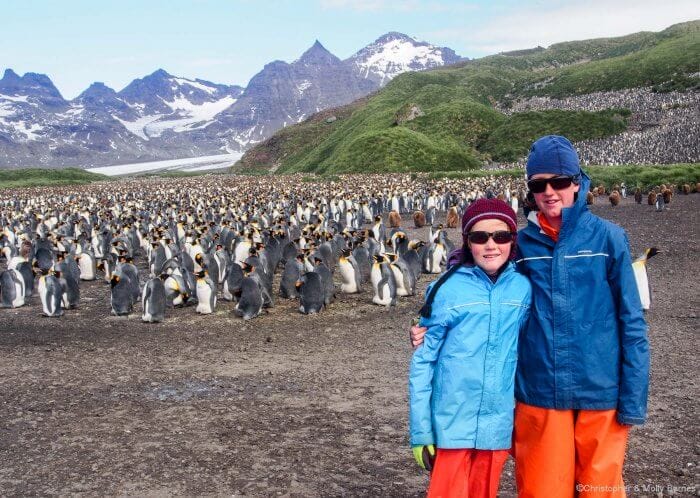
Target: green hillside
point(40, 177)
point(456, 126)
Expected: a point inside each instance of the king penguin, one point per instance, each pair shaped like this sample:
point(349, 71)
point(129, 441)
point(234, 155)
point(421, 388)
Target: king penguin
point(350, 273)
point(25, 269)
point(250, 304)
point(50, 293)
point(87, 265)
point(383, 282)
point(232, 284)
point(405, 280)
point(640, 275)
point(433, 257)
point(11, 289)
point(206, 293)
point(291, 273)
point(326, 280)
point(121, 297)
point(311, 294)
point(153, 301)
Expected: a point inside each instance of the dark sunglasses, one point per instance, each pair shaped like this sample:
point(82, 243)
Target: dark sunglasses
point(558, 183)
point(499, 237)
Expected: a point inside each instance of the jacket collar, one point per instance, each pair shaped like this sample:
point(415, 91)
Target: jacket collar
point(479, 273)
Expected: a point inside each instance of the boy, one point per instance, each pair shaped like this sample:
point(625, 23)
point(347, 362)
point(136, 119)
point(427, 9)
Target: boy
point(583, 369)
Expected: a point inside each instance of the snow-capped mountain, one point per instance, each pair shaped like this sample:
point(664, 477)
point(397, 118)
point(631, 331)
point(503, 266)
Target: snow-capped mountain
point(395, 53)
point(161, 116)
point(283, 94)
point(144, 121)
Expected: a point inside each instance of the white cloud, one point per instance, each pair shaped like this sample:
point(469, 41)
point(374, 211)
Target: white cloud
point(397, 6)
point(369, 5)
point(550, 23)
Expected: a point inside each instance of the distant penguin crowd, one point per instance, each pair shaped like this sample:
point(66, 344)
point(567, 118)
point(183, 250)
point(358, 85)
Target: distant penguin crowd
point(238, 239)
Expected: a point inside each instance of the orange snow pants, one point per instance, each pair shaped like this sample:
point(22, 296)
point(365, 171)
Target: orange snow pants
point(466, 473)
point(568, 453)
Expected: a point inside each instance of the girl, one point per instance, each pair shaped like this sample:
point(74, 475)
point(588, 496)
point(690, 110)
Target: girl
point(461, 378)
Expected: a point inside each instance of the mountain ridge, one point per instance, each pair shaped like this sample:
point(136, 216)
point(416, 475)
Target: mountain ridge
point(460, 127)
point(161, 116)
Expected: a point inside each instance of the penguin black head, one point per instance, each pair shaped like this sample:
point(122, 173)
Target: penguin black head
point(652, 251)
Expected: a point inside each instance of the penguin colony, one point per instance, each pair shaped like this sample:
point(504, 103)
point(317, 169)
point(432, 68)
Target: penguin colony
point(226, 237)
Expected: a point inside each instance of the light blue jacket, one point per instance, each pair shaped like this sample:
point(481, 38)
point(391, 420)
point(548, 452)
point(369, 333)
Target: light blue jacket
point(586, 343)
point(461, 378)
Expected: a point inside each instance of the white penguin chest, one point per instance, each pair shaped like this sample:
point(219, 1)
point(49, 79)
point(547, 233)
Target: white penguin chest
point(375, 275)
point(205, 297)
point(347, 272)
point(86, 268)
point(44, 296)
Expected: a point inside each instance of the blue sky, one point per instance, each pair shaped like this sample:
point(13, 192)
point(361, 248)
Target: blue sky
point(77, 42)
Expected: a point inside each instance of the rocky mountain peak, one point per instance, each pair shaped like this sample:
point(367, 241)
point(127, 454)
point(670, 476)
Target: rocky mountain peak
point(38, 86)
point(392, 36)
point(318, 54)
point(97, 89)
point(9, 75)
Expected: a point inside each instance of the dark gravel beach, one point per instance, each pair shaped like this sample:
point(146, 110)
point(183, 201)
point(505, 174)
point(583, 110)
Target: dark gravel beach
point(292, 405)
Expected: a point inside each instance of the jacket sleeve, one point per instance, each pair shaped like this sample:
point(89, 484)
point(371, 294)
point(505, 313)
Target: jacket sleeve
point(420, 382)
point(634, 344)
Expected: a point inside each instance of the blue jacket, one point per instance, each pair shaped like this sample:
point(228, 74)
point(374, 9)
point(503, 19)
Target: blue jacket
point(461, 379)
point(585, 346)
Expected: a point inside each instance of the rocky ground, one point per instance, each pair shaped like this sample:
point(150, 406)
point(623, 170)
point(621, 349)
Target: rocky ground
point(288, 404)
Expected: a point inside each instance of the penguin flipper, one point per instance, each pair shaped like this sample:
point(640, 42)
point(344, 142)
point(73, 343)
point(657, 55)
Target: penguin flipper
point(380, 287)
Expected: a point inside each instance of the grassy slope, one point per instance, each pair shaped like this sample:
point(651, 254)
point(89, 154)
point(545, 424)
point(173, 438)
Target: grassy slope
point(460, 128)
point(38, 177)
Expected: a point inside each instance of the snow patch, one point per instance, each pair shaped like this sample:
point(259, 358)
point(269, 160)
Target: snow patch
point(12, 98)
point(182, 81)
point(186, 164)
point(138, 127)
point(187, 116)
point(303, 86)
point(397, 56)
point(28, 130)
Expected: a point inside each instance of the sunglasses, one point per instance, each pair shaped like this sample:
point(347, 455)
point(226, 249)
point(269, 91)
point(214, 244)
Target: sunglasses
point(499, 237)
point(558, 183)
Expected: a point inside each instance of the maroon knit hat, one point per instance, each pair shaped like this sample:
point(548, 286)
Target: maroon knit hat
point(485, 209)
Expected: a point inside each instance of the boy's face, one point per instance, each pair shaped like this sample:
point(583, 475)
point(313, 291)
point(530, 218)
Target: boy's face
point(551, 202)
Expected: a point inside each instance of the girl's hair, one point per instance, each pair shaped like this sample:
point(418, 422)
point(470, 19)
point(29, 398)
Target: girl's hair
point(455, 260)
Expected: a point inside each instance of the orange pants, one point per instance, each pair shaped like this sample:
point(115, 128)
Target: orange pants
point(567, 453)
point(466, 473)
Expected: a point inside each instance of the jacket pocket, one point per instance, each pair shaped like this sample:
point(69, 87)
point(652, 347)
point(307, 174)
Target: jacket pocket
point(603, 362)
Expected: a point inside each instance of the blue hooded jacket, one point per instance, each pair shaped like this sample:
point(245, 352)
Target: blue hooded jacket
point(585, 345)
point(461, 378)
